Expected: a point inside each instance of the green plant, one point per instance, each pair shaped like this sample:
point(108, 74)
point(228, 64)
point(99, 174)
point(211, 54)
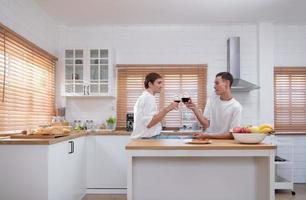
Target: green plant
point(111, 120)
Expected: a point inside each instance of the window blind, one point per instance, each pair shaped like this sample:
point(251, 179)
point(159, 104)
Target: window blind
point(27, 83)
point(290, 99)
point(177, 79)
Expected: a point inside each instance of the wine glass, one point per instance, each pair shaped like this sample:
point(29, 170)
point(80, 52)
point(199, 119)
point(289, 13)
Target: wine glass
point(185, 97)
point(176, 98)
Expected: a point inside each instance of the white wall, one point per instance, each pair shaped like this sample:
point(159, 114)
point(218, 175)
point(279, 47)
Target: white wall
point(290, 45)
point(170, 45)
point(265, 67)
point(27, 19)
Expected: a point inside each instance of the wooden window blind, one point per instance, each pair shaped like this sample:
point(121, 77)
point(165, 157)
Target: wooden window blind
point(176, 80)
point(290, 99)
point(27, 83)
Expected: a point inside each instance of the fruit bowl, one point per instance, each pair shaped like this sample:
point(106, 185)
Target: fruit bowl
point(249, 138)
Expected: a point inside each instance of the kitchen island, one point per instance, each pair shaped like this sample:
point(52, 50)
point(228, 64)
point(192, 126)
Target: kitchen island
point(173, 170)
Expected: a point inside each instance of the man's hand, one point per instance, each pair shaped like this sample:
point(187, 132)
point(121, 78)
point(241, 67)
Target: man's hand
point(191, 105)
point(200, 136)
point(158, 117)
point(198, 113)
point(172, 106)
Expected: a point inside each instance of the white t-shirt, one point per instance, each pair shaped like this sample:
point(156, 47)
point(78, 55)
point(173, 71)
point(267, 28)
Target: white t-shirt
point(223, 115)
point(144, 110)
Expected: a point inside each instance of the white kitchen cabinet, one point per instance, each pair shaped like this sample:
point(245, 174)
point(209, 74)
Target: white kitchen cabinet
point(63, 170)
point(88, 72)
point(44, 172)
point(23, 172)
point(107, 162)
point(67, 170)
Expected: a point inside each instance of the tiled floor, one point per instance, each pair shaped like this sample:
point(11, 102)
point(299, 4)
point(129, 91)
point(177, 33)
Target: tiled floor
point(300, 190)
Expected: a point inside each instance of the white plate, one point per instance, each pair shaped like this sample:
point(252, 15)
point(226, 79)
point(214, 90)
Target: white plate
point(196, 141)
point(167, 131)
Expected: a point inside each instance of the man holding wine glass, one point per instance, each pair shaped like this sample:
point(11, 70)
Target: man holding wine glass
point(222, 112)
point(147, 118)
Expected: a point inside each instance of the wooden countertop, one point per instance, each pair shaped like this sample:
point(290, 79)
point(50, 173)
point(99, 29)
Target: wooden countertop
point(6, 140)
point(41, 141)
point(102, 132)
point(179, 144)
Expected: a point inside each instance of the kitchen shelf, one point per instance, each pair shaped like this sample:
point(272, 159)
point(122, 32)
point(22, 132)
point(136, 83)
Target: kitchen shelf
point(281, 182)
point(283, 163)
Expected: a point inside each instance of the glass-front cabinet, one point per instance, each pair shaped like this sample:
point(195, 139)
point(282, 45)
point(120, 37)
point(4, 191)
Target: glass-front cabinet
point(74, 72)
point(99, 65)
point(87, 72)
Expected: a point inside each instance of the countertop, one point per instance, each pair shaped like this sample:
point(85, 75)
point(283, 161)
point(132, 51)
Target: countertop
point(6, 140)
point(179, 144)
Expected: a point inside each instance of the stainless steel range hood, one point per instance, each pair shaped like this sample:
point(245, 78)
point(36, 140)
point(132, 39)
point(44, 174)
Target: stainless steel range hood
point(233, 66)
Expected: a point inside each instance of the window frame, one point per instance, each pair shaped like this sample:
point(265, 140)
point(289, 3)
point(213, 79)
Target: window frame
point(290, 103)
point(27, 81)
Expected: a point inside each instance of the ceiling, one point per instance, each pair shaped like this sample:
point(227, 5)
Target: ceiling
point(121, 12)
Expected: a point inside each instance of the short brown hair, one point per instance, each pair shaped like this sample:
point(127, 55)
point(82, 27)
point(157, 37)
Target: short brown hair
point(226, 76)
point(151, 77)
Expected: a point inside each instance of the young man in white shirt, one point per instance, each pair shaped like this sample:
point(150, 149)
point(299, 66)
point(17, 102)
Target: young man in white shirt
point(147, 118)
point(222, 112)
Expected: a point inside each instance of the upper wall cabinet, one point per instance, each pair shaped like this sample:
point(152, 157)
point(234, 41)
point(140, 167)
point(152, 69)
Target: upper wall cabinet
point(74, 72)
point(87, 72)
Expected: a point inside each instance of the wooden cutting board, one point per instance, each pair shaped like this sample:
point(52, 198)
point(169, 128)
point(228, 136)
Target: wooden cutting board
point(38, 136)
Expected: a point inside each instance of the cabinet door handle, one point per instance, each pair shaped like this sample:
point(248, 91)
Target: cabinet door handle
point(71, 147)
point(88, 89)
point(84, 90)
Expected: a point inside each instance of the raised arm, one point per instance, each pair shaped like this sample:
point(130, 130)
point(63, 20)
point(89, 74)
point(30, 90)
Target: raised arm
point(227, 135)
point(203, 120)
point(159, 116)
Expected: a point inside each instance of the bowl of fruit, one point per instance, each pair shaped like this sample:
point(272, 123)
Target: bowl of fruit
point(252, 134)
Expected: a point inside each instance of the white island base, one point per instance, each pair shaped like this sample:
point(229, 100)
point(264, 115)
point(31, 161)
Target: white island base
point(223, 170)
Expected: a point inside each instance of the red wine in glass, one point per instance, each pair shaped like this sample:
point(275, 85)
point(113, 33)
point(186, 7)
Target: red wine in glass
point(177, 98)
point(185, 99)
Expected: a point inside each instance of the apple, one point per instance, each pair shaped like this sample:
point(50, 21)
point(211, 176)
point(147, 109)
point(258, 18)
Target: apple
point(237, 130)
point(248, 130)
point(245, 130)
point(242, 130)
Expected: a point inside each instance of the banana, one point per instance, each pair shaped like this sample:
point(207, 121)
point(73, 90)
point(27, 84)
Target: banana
point(263, 126)
point(266, 130)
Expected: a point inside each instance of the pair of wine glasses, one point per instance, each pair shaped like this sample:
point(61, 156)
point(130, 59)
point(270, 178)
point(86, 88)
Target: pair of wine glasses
point(185, 97)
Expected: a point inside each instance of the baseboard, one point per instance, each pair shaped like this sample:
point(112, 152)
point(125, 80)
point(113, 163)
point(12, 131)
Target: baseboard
point(106, 191)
